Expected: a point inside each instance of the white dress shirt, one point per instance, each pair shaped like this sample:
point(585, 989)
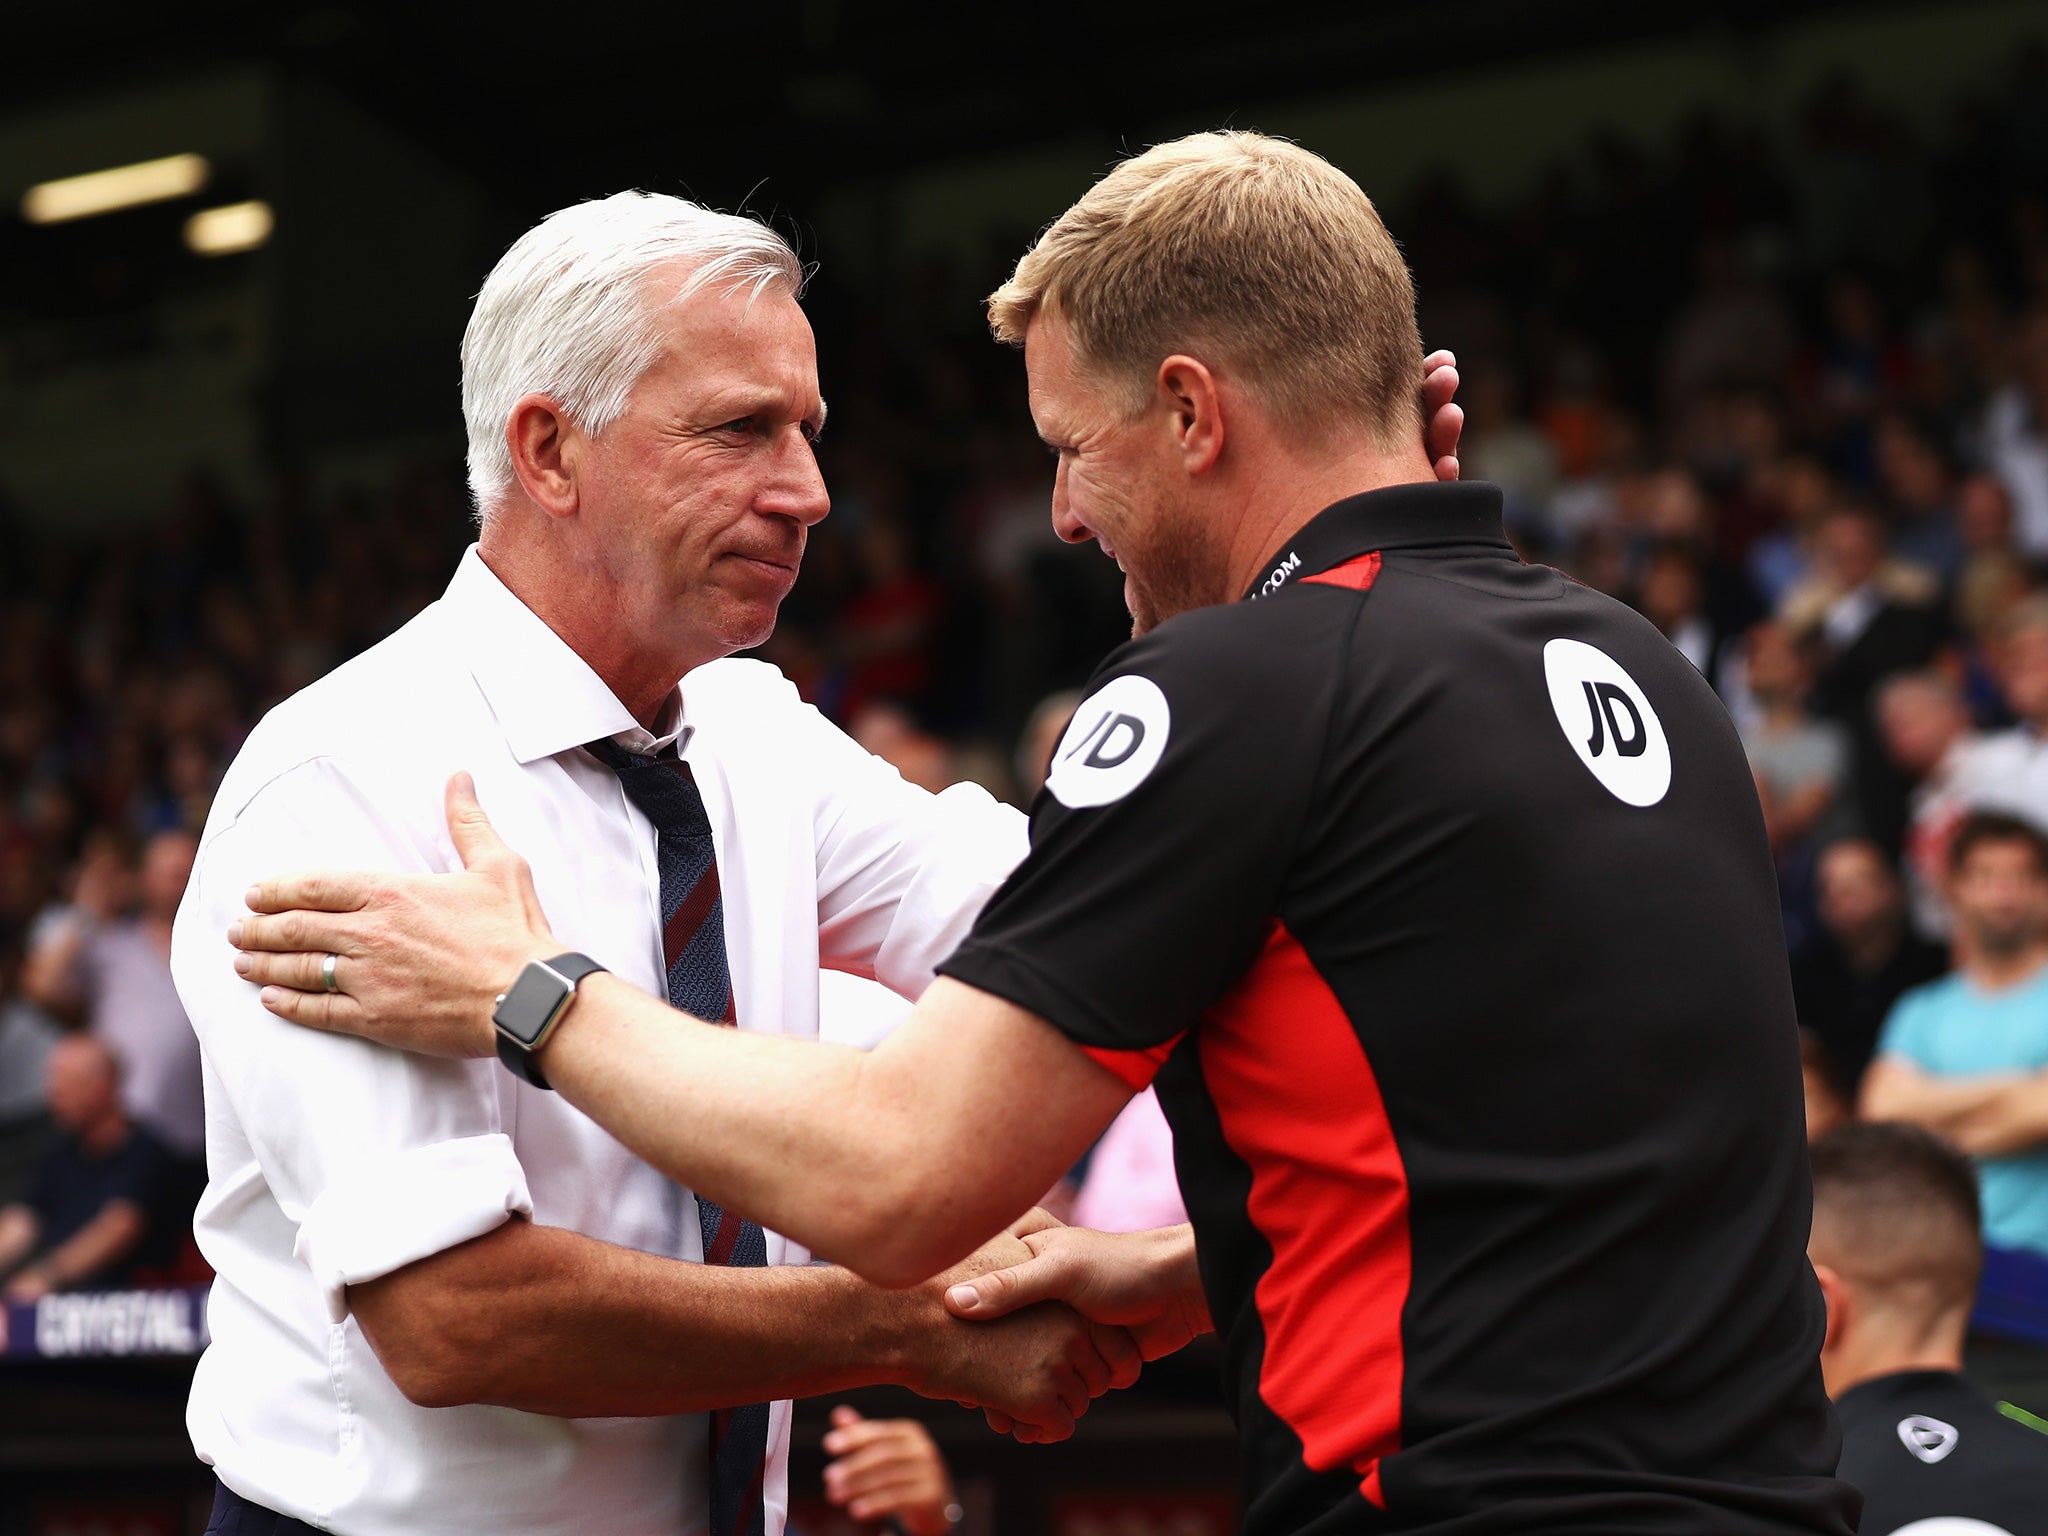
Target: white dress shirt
point(333, 1161)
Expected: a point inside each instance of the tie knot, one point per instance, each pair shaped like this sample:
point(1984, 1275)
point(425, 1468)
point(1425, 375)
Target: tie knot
point(662, 787)
point(616, 757)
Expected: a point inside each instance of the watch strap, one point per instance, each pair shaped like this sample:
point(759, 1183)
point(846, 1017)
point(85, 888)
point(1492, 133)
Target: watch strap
point(520, 1063)
point(572, 967)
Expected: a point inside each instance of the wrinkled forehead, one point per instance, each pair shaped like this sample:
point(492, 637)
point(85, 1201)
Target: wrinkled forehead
point(719, 340)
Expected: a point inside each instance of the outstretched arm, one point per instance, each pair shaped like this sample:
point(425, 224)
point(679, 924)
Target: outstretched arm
point(895, 1163)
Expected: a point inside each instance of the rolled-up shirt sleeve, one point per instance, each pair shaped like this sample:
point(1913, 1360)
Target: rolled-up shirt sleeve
point(378, 1158)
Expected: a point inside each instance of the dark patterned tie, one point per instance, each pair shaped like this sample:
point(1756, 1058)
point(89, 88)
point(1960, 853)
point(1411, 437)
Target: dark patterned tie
point(700, 983)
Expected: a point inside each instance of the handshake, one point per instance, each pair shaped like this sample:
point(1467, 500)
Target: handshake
point(1044, 1318)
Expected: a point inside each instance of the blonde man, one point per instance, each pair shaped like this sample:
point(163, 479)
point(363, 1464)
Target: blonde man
point(1431, 888)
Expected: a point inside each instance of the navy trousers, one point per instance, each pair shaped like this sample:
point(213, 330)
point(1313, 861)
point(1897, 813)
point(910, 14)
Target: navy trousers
point(234, 1515)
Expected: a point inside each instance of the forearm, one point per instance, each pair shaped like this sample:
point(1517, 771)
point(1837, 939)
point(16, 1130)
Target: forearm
point(550, 1321)
point(894, 1162)
point(98, 1245)
point(779, 1129)
point(1944, 1105)
point(49, 976)
point(2014, 1119)
point(19, 1229)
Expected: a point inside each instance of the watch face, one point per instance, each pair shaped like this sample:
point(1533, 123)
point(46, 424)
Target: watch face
point(536, 997)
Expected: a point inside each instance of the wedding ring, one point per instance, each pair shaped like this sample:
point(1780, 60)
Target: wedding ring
point(327, 973)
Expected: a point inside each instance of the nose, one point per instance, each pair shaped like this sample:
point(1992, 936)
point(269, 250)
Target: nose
point(1069, 527)
point(796, 488)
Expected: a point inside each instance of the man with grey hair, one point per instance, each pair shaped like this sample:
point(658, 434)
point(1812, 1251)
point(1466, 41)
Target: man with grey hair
point(447, 1301)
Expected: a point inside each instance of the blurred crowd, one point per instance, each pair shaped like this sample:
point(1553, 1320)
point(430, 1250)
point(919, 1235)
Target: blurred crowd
point(1785, 392)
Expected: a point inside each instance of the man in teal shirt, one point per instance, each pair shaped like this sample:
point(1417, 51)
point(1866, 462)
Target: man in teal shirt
point(1967, 1056)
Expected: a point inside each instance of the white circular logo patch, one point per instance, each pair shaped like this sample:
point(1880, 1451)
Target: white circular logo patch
point(1608, 721)
point(1116, 738)
point(1929, 1439)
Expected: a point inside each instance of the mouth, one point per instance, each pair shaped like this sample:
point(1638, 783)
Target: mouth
point(768, 564)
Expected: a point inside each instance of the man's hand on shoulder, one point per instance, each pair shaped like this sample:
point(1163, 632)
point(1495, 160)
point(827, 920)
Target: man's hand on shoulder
point(419, 959)
point(1035, 1371)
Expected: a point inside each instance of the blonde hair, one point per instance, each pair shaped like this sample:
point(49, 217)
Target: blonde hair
point(1262, 258)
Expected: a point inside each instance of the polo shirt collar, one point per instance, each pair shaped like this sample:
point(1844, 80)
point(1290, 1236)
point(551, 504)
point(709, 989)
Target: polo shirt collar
point(1430, 515)
point(545, 696)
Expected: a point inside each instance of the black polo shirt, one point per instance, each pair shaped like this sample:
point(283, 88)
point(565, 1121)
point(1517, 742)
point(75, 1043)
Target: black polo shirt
point(1434, 889)
point(1926, 1445)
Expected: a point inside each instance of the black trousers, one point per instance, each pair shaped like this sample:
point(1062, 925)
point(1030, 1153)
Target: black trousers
point(234, 1515)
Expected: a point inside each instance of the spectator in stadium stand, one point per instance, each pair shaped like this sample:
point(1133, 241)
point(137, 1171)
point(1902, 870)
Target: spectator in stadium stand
point(2009, 770)
point(1863, 956)
point(1801, 763)
point(1431, 886)
point(108, 966)
point(1967, 1056)
point(1672, 595)
point(2016, 435)
point(27, 1035)
point(641, 390)
point(98, 1203)
point(1897, 1253)
point(1130, 1185)
point(1868, 616)
point(1927, 733)
point(1919, 492)
point(1047, 723)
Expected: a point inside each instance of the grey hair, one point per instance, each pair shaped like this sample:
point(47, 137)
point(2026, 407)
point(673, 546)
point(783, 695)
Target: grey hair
point(569, 312)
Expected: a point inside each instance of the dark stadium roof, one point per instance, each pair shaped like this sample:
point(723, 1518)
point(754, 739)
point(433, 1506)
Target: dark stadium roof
point(810, 92)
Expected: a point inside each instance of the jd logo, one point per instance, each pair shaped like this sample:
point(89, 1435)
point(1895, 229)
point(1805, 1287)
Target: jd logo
point(1928, 1439)
point(1115, 740)
point(1609, 722)
point(1602, 699)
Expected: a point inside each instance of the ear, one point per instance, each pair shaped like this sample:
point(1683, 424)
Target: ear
point(1195, 408)
point(1839, 1303)
point(546, 449)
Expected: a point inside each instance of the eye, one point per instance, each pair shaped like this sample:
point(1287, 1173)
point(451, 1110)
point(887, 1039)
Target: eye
point(811, 431)
point(740, 426)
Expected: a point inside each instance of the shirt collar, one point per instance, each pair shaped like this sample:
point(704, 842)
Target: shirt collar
point(1397, 517)
point(545, 696)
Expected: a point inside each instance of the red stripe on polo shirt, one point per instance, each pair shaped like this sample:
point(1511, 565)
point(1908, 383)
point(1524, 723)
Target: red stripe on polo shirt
point(1298, 1101)
point(1358, 575)
point(1136, 1068)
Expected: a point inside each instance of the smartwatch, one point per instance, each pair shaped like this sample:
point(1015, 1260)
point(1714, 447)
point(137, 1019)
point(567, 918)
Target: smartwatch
point(529, 1010)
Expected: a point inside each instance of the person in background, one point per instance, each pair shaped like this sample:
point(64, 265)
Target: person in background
point(1801, 763)
point(889, 1469)
point(110, 968)
point(1860, 959)
point(2016, 435)
point(1041, 734)
point(1130, 1185)
point(1967, 1056)
point(96, 1205)
point(2010, 770)
point(1672, 595)
point(1896, 1250)
point(1826, 1107)
point(1927, 734)
point(1918, 485)
point(27, 1035)
point(1868, 617)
